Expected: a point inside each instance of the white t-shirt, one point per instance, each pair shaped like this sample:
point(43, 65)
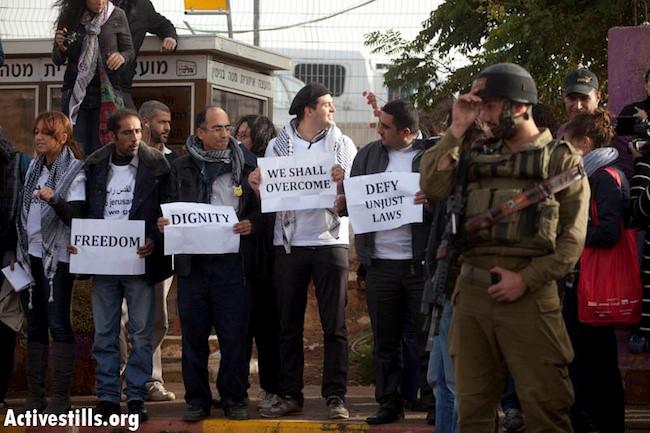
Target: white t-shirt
point(311, 225)
point(223, 193)
point(119, 191)
point(77, 192)
point(396, 244)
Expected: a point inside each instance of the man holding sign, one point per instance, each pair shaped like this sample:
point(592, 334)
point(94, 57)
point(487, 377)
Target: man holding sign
point(126, 180)
point(393, 251)
point(311, 244)
point(211, 290)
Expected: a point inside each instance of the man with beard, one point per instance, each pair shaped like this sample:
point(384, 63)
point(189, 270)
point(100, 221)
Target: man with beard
point(507, 312)
point(126, 180)
point(156, 126)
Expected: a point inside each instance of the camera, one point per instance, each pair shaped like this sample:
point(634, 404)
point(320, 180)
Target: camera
point(70, 39)
point(633, 126)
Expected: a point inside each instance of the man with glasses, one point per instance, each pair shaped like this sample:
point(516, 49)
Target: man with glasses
point(211, 291)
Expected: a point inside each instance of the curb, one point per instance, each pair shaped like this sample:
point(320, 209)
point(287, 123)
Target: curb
point(228, 426)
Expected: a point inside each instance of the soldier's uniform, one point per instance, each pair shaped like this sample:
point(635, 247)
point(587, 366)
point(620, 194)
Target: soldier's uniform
point(542, 242)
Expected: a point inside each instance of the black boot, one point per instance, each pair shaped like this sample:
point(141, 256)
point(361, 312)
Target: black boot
point(63, 369)
point(36, 367)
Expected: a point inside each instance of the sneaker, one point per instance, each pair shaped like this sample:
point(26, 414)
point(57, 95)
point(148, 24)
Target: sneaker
point(281, 407)
point(107, 408)
point(513, 421)
point(194, 413)
point(236, 411)
point(337, 409)
point(637, 344)
point(157, 392)
point(136, 407)
point(267, 399)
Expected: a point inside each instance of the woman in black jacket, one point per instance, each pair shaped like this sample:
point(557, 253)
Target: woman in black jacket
point(596, 378)
point(93, 37)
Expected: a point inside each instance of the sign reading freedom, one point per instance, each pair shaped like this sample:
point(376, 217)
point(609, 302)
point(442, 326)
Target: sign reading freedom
point(107, 247)
point(382, 201)
point(297, 182)
point(200, 228)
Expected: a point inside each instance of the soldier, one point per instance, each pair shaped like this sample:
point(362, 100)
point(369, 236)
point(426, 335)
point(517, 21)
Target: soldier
point(507, 312)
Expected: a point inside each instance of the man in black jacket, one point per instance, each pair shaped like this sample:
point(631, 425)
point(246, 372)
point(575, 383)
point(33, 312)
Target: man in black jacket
point(143, 19)
point(126, 179)
point(211, 290)
point(393, 258)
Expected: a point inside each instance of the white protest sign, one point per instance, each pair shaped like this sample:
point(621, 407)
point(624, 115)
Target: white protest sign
point(18, 278)
point(297, 182)
point(382, 201)
point(107, 247)
point(199, 228)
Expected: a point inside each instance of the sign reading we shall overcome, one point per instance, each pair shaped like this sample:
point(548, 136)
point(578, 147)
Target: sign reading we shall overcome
point(199, 228)
point(107, 247)
point(297, 182)
point(382, 201)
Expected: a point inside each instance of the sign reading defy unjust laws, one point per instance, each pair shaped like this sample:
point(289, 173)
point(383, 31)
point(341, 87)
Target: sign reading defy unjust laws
point(107, 247)
point(199, 228)
point(297, 182)
point(382, 201)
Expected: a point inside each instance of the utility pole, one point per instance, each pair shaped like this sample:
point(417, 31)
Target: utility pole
point(256, 23)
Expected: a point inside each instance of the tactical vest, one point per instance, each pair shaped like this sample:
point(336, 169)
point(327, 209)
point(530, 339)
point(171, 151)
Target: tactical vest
point(495, 176)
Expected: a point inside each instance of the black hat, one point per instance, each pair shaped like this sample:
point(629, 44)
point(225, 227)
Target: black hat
point(306, 96)
point(510, 81)
point(581, 81)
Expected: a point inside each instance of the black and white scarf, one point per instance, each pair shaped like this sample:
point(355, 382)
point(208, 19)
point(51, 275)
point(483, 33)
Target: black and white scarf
point(64, 170)
point(334, 142)
point(214, 163)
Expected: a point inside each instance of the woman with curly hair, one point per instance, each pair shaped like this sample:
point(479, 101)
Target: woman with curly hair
point(94, 37)
point(594, 372)
point(53, 194)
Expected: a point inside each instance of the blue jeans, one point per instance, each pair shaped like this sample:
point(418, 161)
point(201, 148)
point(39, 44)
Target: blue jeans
point(441, 377)
point(107, 295)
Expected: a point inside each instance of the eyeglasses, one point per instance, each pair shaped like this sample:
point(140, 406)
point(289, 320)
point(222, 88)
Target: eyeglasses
point(218, 128)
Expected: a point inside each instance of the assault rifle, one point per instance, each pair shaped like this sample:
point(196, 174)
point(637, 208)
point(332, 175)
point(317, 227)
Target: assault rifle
point(446, 245)
point(449, 244)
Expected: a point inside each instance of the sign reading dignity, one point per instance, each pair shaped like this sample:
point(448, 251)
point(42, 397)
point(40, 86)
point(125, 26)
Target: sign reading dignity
point(107, 247)
point(382, 201)
point(297, 182)
point(199, 228)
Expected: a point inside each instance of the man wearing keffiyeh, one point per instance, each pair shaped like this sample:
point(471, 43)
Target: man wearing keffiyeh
point(211, 288)
point(312, 245)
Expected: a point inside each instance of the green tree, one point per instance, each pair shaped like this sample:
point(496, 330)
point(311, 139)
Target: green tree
point(548, 37)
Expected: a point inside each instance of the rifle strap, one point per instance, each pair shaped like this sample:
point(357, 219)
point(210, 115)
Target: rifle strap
point(525, 199)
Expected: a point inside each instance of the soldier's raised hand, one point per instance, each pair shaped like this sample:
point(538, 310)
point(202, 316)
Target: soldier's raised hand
point(466, 109)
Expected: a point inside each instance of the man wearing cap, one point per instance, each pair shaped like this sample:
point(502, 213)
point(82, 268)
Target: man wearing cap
point(311, 245)
point(580, 95)
point(507, 312)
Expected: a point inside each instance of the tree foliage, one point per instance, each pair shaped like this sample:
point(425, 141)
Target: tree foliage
point(548, 37)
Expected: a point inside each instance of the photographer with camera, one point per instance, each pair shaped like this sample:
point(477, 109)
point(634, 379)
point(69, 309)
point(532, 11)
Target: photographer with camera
point(94, 37)
point(633, 124)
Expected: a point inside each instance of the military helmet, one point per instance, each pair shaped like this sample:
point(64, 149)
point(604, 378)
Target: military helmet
point(510, 81)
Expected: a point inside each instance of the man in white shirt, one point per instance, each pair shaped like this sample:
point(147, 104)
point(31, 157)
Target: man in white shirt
point(393, 258)
point(126, 180)
point(311, 245)
point(156, 127)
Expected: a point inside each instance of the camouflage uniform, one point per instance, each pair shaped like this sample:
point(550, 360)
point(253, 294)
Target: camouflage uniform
point(542, 243)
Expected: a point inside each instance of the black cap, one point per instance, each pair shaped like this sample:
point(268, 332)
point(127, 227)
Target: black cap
point(581, 81)
point(306, 96)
